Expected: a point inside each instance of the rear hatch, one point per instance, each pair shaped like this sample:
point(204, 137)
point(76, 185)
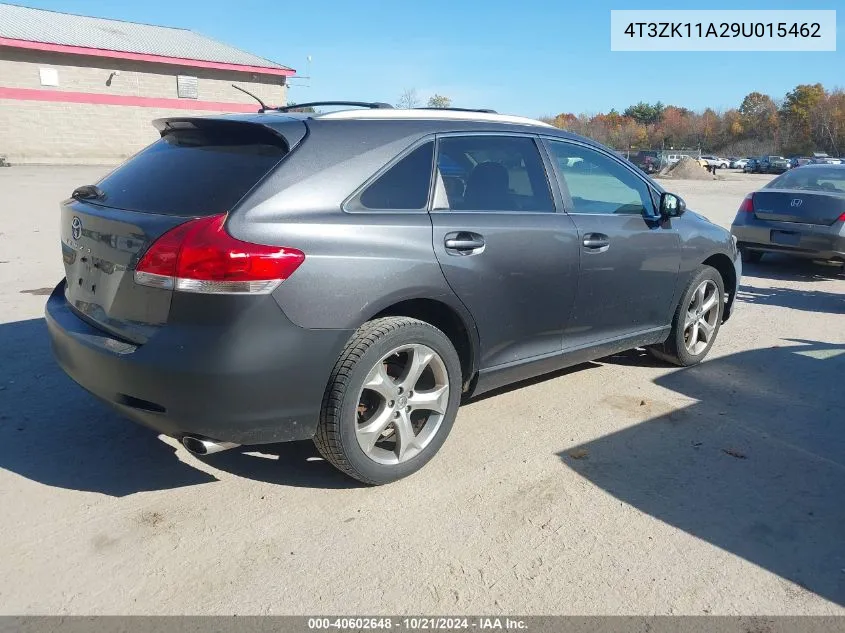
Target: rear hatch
point(200, 167)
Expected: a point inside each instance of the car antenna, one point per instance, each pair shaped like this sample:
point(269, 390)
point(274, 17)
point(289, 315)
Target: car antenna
point(244, 90)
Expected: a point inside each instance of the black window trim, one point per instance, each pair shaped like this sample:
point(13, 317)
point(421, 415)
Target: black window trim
point(554, 194)
point(387, 167)
point(561, 182)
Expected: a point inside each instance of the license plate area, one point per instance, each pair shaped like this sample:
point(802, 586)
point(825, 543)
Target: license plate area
point(786, 238)
point(86, 279)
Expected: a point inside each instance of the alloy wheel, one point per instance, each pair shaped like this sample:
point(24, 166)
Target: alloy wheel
point(701, 317)
point(402, 404)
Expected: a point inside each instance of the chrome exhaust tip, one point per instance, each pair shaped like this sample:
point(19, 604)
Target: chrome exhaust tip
point(202, 446)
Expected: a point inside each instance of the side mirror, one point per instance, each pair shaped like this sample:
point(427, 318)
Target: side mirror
point(672, 205)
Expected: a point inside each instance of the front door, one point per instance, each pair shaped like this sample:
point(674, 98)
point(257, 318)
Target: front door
point(504, 248)
point(629, 258)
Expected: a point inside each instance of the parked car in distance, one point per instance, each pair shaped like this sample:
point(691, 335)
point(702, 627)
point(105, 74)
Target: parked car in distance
point(351, 276)
point(647, 160)
point(752, 166)
point(671, 159)
point(799, 161)
point(738, 163)
point(801, 213)
point(773, 165)
point(720, 163)
point(824, 159)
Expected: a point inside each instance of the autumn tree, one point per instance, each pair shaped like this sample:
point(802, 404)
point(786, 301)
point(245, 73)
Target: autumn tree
point(759, 115)
point(565, 121)
point(439, 101)
point(827, 119)
point(408, 99)
point(797, 113)
point(292, 104)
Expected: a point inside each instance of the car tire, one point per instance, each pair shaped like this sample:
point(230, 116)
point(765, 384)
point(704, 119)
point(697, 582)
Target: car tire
point(749, 256)
point(693, 318)
point(380, 354)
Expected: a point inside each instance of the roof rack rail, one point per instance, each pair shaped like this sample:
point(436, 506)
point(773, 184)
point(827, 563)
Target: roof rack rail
point(373, 105)
point(484, 110)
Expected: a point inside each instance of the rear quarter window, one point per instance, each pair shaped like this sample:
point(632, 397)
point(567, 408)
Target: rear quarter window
point(194, 172)
point(403, 187)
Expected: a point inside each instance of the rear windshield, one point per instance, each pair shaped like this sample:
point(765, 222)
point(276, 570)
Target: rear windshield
point(194, 172)
point(831, 180)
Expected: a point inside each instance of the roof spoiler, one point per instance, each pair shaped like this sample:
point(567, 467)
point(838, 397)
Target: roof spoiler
point(288, 130)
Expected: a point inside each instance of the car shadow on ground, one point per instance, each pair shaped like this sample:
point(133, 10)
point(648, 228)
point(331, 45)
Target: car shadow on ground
point(784, 268)
point(807, 300)
point(755, 467)
point(55, 433)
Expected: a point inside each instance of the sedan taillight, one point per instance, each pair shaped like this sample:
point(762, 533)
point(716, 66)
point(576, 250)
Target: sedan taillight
point(747, 205)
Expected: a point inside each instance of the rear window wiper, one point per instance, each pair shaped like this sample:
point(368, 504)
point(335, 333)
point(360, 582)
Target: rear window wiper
point(88, 192)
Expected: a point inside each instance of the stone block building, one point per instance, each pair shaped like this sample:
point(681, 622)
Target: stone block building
point(84, 90)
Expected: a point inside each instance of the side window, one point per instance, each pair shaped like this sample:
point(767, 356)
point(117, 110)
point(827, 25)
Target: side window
point(599, 184)
point(493, 173)
point(404, 186)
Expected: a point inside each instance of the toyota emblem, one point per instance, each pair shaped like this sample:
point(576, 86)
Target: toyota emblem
point(796, 202)
point(76, 228)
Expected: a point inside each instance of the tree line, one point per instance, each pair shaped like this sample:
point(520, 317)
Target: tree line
point(808, 119)
point(410, 99)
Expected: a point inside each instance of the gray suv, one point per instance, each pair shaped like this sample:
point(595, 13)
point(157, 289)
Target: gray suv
point(352, 276)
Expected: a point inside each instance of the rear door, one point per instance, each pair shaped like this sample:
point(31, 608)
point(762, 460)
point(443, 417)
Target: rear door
point(504, 248)
point(195, 169)
point(629, 258)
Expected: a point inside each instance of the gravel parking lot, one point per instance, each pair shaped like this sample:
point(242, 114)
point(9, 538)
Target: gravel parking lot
point(618, 487)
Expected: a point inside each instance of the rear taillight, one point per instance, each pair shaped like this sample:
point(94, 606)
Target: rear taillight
point(200, 256)
point(841, 218)
point(747, 205)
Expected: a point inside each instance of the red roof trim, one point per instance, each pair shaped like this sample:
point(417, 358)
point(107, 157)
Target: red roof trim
point(143, 57)
point(67, 96)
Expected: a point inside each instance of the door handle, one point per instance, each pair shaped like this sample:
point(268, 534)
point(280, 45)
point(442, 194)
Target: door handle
point(464, 243)
point(596, 241)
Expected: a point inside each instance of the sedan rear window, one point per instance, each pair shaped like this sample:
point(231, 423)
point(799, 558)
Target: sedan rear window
point(811, 179)
point(194, 172)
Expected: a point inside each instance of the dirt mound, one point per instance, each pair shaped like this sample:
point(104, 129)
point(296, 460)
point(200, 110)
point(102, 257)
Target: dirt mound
point(686, 169)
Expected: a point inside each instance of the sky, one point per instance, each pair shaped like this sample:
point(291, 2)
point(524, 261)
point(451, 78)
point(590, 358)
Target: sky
point(532, 57)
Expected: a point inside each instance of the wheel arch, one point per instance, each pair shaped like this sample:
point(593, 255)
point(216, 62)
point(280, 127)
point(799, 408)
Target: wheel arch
point(457, 326)
point(725, 267)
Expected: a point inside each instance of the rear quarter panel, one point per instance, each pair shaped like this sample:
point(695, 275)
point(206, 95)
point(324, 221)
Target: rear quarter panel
point(356, 263)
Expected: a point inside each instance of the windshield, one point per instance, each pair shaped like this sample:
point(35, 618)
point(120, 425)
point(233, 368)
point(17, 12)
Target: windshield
point(811, 179)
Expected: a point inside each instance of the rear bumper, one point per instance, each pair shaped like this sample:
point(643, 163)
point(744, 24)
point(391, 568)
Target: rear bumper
point(814, 242)
point(257, 379)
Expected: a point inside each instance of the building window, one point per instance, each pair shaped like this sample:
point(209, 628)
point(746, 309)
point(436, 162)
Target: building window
point(187, 87)
point(49, 76)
